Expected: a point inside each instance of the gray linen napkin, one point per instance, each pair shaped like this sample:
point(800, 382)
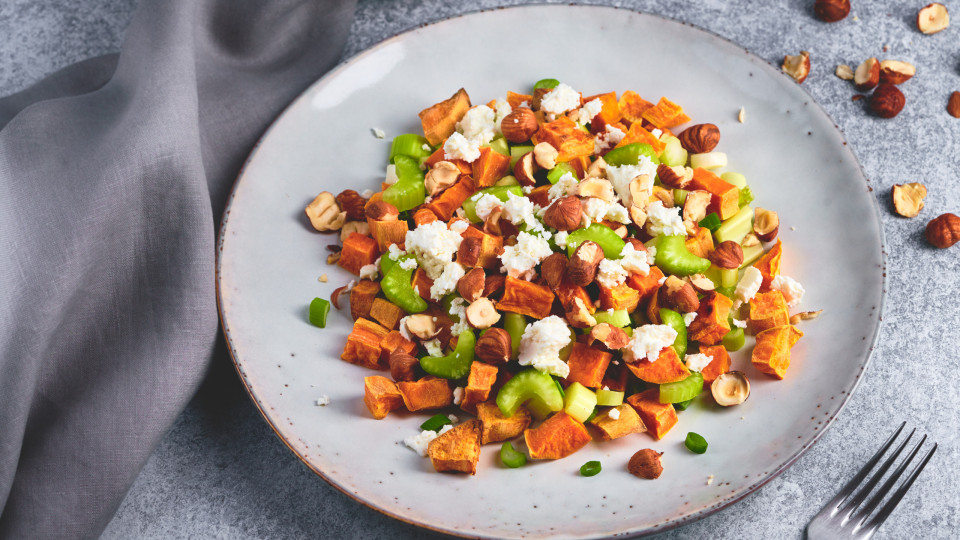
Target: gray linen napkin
point(113, 174)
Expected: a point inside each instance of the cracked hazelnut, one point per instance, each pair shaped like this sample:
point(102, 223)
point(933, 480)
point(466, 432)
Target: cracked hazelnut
point(519, 125)
point(382, 211)
point(552, 269)
point(908, 198)
point(545, 155)
point(351, 227)
point(798, 67)
point(402, 366)
point(943, 231)
point(564, 214)
point(953, 105)
point(886, 101)
point(679, 295)
point(612, 337)
point(804, 316)
point(867, 75)
point(524, 168)
point(443, 175)
point(933, 18)
point(578, 315)
point(674, 177)
point(353, 204)
point(728, 255)
point(845, 72)
point(896, 72)
point(470, 286)
point(831, 10)
point(638, 215)
point(646, 464)
point(701, 283)
point(766, 224)
point(700, 139)
point(494, 346)
point(582, 267)
point(695, 209)
point(324, 213)
point(421, 325)
point(596, 187)
point(481, 313)
point(468, 254)
point(730, 388)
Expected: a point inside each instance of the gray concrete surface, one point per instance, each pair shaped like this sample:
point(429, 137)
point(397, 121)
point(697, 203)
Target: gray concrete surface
point(221, 473)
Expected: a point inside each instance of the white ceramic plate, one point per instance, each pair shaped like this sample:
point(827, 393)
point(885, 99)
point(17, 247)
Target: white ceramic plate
point(792, 154)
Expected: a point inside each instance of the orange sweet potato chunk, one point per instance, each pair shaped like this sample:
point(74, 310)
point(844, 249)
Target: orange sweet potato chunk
point(526, 298)
point(381, 396)
point(564, 135)
point(567, 292)
point(394, 341)
point(769, 265)
point(658, 417)
point(767, 310)
point(481, 379)
point(711, 323)
point(627, 423)
point(587, 365)
point(427, 393)
point(665, 114)
point(645, 285)
point(489, 167)
point(718, 366)
point(362, 297)
point(423, 216)
point(386, 313)
point(358, 251)
point(422, 283)
point(439, 120)
point(771, 354)
point(517, 100)
point(632, 106)
point(497, 427)
point(620, 297)
point(388, 232)
point(557, 437)
point(610, 111)
point(445, 204)
point(363, 344)
point(667, 369)
point(701, 243)
point(724, 196)
point(439, 155)
point(457, 450)
point(637, 134)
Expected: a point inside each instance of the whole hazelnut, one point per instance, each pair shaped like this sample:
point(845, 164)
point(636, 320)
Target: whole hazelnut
point(943, 231)
point(564, 215)
point(831, 10)
point(886, 101)
point(519, 125)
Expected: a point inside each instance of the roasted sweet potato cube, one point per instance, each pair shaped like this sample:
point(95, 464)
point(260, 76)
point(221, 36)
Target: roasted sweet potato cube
point(525, 298)
point(567, 292)
point(445, 204)
point(620, 297)
point(616, 377)
point(358, 251)
point(362, 296)
point(645, 285)
point(519, 100)
point(587, 365)
point(628, 422)
point(718, 366)
point(724, 197)
point(767, 310)
point(665, 114)
point(440, 154)
point(427, 393)
point(363, 344)
point(569, 140)
point(441, 119)
point(658, 417)
point(610, 111)
point(423, 216)
point(422, 283)
point(632, 106)
point(637, 134)
point(771, 355)
point(557, 437)
point(386, 313)
point(701, 243)
point(394, 341)
point(496, 426)
point(381, 396)
point(769, 265)
point(388, 232)
point(457, 450)
point(481, 379)
point(711, 323)
point(489, 167)
point(667, 369)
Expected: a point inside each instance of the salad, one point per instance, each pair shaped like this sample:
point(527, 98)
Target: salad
point(563, 269)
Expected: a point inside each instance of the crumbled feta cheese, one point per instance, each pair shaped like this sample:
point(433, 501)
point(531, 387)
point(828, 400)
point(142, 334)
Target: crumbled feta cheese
point(502, 108)
point(663, 220)
point(457, 396)
point(647, 342)
point(433, 346)
point(459, 226)
point(527, 189)
point(614, 414)
point(564, 184)
point(634, 261)
point(738, 323)
point(560, 100)
point(485, 204)
point(403, 329)
point(656, 132)
point(421, 441)
point(519, 260)
point(621, 177)
point(560, 239)
point(447, 282)
point(688, 318)
point(749, 284)
point(791, 289)
point(458, 309)
point(478, 124)
point(598, 210)
point(323, 401)
point(408, 264)
point(611, 273)
point(696, 362)
point(521, 210)
point(434, 245)
point(459, 147)
point(662, 280)
point(541, 343)
point(589, 110)
point(394, 252)
point(369, 271)
point(607, 139)
point(378, 133)
point(426, 147)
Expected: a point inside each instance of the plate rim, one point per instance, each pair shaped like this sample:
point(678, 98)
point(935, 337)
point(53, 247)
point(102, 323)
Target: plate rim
point(670, 524)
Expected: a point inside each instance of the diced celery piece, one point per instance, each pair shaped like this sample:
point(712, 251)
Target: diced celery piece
point(708, 160)
point(510, 457)
point(579, 402)
point(564, 353)
point(673, 154)
point(729, 277)
point(628, 330)
point(514, 324)
point(535, 388)
point(679, 196)
point(517, 152)
point(554, 174)
point(736, 179)
point(630, 155)
point(736, 227)
point(500, 192)
point(500, 146)
point(508, 180)
point(751, 254)
point(609, 398)
point(682, 406)
point(684, 390)
point(734, 340)
point(726, 291)
point(539, 409)
point(409, 144)
point(674, 320)
point(609, 241)
point(674, 258)
point(619, 317)
point(713, 274)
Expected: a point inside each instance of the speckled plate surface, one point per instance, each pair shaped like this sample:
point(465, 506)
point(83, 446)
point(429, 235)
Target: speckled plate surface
point(792, 154)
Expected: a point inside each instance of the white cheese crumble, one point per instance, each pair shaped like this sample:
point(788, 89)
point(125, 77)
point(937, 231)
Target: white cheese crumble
point(662, 280)
point(369, 271)
point(519, 260)
point(738, 323)
point(688, 318)
point(457, 396)
point(656, 132)
point(521, 210)
point(560, 239)
point(560, 100)
point(663, 220)
point(323, 401)
point(447, 282)
point(749, 284)
point(420, 442)
point(434, 245)
point(598, 210)
point(614, 414)
point(459, 147)
point(403, 329)
point(621, 177)
point(459, 226)
point(541, 343)
point(564, 184)
point(378, 133)
point(485, 204)
point(634, 261)
point(608, 138)
point(408, 264)
point(478, 125)
point(791, 289)
point(433, 346)
point(502, 108)
point(696, 362)
point(647, 342)
point(458, 308)
point(391, 177)
point(589, 110)
point(611, 273)
point(394, 252)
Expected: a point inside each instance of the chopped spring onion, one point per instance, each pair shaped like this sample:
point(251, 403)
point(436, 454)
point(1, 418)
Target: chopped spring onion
point(435, 422)
point(746, 196)
point(319, 308)
point(590, 468)
point(684, 390)
point(711, 222)
point(695, 443)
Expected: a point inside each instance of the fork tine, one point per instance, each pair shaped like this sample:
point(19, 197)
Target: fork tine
point(834, 504)
point(887, 509)
point(849, 507)
point(871, 505)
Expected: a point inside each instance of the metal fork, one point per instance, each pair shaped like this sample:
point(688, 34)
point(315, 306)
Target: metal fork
point(846, 516)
